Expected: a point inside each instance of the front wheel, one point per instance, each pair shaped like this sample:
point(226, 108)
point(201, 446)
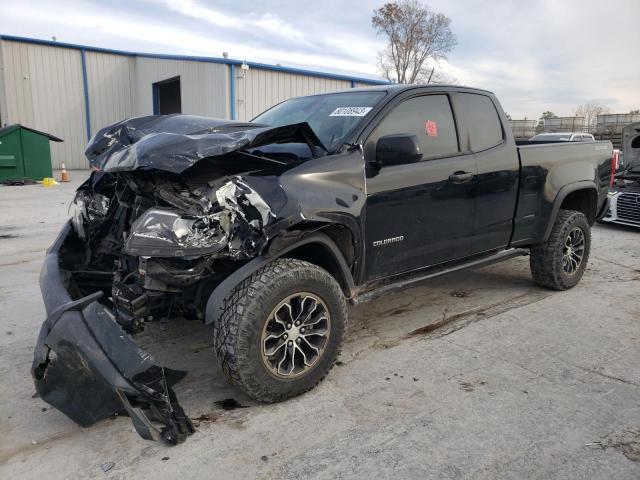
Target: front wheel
point(281, 330)
point(559, 263)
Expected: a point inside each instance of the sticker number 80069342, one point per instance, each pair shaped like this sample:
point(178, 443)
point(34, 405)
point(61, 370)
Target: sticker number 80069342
point(350, 112)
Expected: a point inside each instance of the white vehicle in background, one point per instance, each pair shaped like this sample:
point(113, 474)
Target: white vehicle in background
point(563, 137)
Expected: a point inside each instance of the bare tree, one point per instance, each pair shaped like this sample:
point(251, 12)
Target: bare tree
point(590, 111)
point(436, 75)
point(635, 112)
point(417, 38)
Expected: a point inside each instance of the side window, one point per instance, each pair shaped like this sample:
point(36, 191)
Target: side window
point(429, 118)
point(481, 121)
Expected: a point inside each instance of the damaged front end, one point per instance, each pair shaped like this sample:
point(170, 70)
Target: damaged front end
point(151, 235)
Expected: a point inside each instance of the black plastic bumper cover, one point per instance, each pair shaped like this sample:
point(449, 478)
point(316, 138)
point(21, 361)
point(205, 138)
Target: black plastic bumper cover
point(603, 209)
point(87, 367)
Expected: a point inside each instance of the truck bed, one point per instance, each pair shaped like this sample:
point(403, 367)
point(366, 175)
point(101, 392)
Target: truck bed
point(546, 168)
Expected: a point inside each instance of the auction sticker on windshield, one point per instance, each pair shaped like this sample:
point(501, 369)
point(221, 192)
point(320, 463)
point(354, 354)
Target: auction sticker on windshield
point(350, 112)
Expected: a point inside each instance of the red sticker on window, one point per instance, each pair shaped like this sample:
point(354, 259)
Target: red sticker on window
point(431, 128)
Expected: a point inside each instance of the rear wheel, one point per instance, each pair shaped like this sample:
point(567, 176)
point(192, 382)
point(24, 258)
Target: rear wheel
point(281, 330)
point(559, 263)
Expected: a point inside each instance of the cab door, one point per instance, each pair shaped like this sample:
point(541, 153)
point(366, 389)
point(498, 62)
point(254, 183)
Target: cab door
point(498, 173)
point(420, 212)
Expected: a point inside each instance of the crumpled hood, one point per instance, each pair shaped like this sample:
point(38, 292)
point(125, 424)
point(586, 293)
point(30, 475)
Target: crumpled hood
point(173, 143)
point(630, 136)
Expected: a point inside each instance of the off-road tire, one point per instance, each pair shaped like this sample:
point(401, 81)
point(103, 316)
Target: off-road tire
point(238, 332)
point(546, 258)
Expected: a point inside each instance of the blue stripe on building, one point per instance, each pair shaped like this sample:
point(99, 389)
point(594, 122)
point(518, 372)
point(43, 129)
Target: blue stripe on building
point(85, 83)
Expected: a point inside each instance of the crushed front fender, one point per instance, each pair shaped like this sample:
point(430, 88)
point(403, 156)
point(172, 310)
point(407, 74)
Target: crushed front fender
point(87, 367)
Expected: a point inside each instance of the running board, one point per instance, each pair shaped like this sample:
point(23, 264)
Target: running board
point(406, 281)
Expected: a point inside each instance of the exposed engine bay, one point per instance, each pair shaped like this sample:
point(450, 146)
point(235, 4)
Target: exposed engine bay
point(149, 241)
point(150, 226)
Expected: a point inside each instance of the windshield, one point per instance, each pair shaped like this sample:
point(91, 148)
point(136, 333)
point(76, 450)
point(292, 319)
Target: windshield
point(331, 116)
point(552, 138)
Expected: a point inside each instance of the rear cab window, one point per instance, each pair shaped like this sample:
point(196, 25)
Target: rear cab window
point(429, 118)
point(482, 127)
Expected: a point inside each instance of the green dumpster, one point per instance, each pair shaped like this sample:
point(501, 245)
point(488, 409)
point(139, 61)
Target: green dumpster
point(25, 153)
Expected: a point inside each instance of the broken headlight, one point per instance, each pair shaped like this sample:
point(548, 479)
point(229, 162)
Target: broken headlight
point(166, 233)
point(87, 207)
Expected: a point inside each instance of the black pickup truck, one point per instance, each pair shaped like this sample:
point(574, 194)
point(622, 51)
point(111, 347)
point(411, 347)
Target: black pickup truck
point(267, 229)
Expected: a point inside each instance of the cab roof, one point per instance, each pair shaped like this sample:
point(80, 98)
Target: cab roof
point(396, 88)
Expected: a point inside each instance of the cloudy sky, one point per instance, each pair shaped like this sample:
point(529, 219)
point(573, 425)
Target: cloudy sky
point(535, 55)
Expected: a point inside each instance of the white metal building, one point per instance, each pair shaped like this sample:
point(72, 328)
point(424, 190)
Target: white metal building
point(71, 91)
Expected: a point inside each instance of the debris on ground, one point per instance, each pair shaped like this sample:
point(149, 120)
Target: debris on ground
point(470, 386)
point(460, 294)
point(207, 417)
point(106, 466)
point(627, 442)
point(18, 182)
point(229, 404)
point(595, 445)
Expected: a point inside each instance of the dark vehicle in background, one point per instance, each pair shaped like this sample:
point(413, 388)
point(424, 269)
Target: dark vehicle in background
point(624, 194)
point(563, 137)
point(266, 230)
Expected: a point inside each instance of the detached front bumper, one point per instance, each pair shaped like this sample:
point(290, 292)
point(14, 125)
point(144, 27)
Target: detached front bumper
point(87, 367)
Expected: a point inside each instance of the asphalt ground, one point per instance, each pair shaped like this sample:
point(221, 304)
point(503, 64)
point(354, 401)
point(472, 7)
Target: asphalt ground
point(477, 375)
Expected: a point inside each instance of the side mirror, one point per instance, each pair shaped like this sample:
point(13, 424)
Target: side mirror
point(397, 149)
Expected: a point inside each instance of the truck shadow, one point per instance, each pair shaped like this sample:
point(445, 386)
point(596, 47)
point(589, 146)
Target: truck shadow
point(382, 323)
point(618, 227)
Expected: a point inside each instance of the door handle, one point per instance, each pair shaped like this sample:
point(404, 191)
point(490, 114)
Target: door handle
point(460, 177)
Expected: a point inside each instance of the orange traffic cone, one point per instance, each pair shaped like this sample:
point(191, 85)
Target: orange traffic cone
point(64, 175)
